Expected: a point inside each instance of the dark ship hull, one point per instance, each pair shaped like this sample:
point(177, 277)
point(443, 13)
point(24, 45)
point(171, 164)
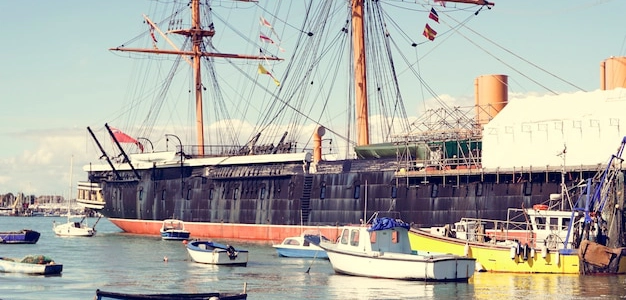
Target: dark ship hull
point(270, 201)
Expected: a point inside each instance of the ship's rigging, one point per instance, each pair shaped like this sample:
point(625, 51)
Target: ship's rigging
point(316, 59)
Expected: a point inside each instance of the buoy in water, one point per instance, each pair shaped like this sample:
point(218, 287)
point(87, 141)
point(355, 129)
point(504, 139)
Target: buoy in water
point(165, 258)
point(185, 242)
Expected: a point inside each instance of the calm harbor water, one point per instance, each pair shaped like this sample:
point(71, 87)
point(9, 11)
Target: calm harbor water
point(116, 261)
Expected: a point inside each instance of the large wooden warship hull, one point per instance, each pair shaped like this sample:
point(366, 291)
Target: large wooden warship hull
point(271, 201)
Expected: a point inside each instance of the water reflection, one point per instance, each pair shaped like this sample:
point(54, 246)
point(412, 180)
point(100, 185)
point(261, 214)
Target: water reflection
point(547, 286)
point(352, 287)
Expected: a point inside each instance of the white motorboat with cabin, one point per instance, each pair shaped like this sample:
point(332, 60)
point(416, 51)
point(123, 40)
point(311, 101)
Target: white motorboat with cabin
point(382, 250)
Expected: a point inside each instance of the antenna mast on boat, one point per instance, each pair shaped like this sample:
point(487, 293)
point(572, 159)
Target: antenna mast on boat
point(360, 71)
point(69, 197)
point(197, 35)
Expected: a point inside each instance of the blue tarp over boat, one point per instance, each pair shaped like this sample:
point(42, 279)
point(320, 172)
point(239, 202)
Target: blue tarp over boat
point(387, 223)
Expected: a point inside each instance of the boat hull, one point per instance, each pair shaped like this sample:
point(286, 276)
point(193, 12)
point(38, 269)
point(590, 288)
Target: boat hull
point(494, 258)
point(298, 252)
point(216, 254)
point(174, 296)
point(174, 235)
point(272, 202)
point(402, 266)
point(24, 236)
point(72, 229)
point(226, 231)
point(11, 266)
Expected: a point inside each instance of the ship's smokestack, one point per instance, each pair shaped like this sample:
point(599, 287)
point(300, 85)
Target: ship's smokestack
point(613, 73)
point(317, 143)
point(491, 96)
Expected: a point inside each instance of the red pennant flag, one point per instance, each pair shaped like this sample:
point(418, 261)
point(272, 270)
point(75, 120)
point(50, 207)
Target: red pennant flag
point(266, 39)
point(265, 23)
point(270, 41)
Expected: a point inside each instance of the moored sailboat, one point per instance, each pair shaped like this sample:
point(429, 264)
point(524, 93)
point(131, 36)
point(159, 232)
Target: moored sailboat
point(75, 225)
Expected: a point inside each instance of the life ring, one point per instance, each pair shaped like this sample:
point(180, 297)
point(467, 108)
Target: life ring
point(540, 207)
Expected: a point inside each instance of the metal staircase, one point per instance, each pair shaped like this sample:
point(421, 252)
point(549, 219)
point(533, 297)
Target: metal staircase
point(305, 200)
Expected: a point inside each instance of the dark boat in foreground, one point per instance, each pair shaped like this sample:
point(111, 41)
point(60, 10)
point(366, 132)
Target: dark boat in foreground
point(182, 296)
point(24, 236)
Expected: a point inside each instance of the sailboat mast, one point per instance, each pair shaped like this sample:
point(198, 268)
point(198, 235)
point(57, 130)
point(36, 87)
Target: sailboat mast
point(69, 197)
point(360, 71)
point(360, 80)
point(196, 39)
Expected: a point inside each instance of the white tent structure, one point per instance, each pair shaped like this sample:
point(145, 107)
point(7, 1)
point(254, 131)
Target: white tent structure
point(532, 132)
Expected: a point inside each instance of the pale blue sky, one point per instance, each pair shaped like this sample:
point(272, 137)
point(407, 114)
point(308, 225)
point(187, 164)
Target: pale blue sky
point(57, 76)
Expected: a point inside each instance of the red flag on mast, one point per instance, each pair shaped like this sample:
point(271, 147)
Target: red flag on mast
point(121, 137)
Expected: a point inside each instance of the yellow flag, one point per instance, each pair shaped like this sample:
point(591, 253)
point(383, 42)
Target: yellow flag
point(262, 70)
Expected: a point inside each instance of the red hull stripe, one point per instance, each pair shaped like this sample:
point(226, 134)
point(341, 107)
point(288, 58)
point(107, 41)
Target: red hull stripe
point(248, 232)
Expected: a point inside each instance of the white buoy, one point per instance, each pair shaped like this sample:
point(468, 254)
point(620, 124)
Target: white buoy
point(467, 249)
point(513, 252)
point(558, 258)
point(532, 253)
point(544, 251)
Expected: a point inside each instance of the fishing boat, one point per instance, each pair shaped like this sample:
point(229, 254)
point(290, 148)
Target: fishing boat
point(31, 264)
point(559, 235)
point(173, 229)
point(381, 249)
point(207, 252)
point(293, 167)
point(303, 246)
point(24, 236)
